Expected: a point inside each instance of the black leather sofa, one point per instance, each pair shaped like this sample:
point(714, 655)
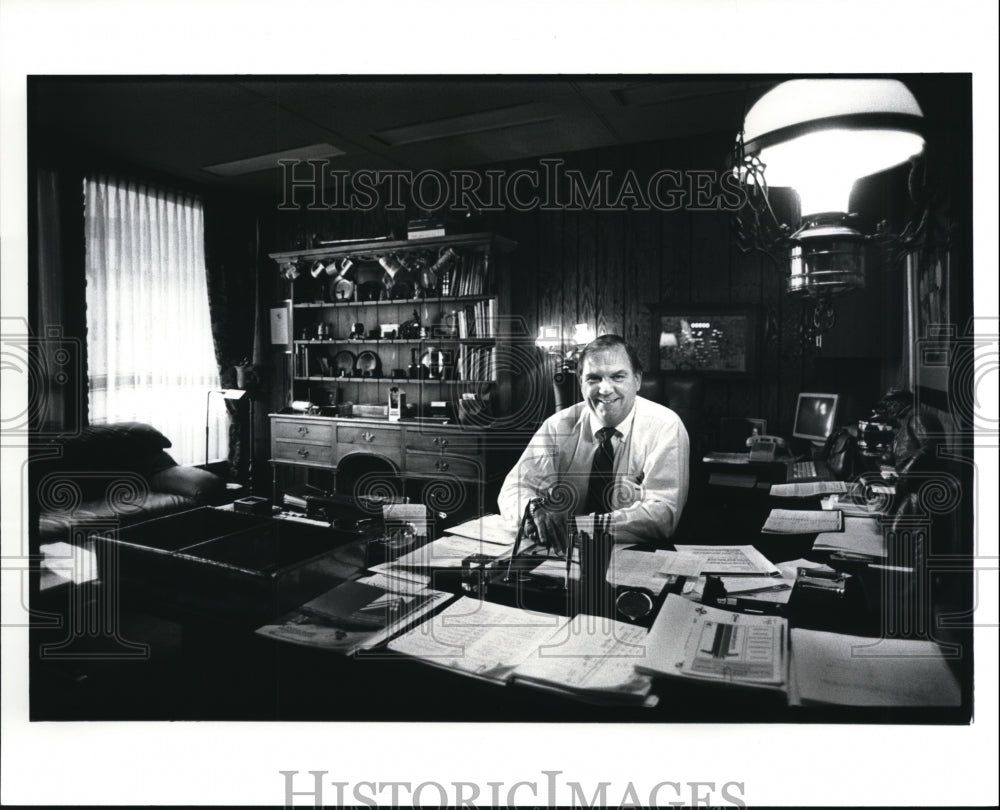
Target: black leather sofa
point(111, 476)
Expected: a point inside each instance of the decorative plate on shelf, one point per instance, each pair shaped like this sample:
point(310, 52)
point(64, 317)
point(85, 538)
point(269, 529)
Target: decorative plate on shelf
point(343, 364)
point(369, 365)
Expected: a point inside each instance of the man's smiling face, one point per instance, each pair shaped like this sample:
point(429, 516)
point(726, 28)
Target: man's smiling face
point(609, 385)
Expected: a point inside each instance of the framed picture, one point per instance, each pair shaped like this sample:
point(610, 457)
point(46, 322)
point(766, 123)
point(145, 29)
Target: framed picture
point(935, 332)
point(716, 341)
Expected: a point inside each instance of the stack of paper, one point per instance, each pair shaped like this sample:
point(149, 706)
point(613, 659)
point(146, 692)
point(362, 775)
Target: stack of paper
point(855, 671)
point(589, 657)
point(703, 643)
point(860, 536)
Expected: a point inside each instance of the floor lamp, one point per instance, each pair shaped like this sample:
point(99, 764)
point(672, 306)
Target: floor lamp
point(235, 395)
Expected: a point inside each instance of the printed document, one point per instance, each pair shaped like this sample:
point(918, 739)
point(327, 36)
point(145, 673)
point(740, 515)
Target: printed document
point(730, 559)
point(488, 528)
point(478, 638)
point(856, 671)
point(802, 521)
point(705, 643)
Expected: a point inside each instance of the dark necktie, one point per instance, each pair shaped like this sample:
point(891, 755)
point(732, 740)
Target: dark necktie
point(602, 477)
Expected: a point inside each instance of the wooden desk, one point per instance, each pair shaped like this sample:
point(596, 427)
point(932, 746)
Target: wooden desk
point(465, 465)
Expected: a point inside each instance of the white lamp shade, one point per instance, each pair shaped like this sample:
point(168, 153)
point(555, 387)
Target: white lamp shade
point(583, 334)
point(819, 136)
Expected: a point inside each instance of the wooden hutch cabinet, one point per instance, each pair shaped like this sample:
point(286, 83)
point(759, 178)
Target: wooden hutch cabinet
point(425, 318)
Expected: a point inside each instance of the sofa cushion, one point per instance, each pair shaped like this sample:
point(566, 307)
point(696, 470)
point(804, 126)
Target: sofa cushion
point(121, 445)
point(65, 525)
point(199, 485)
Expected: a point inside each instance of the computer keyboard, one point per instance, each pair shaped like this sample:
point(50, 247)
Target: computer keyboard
point(804, 469)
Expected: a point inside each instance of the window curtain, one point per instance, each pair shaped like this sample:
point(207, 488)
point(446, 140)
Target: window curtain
point(149, 335)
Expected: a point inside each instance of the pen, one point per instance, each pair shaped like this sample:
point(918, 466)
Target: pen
point(784, 586)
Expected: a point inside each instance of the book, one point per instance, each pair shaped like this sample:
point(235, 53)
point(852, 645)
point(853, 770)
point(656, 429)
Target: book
point(356, 615)
point(698, 642)
point(803, 521)
point(834, 668)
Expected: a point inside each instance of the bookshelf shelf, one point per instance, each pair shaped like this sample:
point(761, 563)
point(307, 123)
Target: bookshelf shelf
point(463, 335)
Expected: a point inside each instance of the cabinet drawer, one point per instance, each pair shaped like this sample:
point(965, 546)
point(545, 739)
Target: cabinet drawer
point(428, 464)
point(302, 431)
point(304, 453)
point(368, 436)
point(431, 441)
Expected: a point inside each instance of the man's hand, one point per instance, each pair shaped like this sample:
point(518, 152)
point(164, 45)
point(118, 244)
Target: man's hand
point(547, 526)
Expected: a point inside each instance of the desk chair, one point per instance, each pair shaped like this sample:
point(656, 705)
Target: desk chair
point(684, 395)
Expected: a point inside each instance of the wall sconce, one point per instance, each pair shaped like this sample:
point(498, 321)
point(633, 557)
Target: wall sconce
point(818, 137)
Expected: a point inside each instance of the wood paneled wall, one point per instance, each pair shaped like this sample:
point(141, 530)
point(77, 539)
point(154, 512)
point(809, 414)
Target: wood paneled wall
point(608, 268)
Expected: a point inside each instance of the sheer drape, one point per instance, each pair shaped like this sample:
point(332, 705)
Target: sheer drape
point(149, 335)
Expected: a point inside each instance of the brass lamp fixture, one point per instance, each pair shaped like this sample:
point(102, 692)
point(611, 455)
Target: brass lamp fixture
point(819, 137)
point(566, 354)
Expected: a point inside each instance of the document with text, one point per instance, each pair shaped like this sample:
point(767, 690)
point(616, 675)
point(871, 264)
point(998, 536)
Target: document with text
point(730, 559)
point(802, 521)
point(705, 643)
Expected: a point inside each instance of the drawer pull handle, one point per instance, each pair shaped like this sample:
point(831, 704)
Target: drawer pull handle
point(441, 465)
point(442, 443)
point(303, 430)
point(303, 452)
point(368, 436)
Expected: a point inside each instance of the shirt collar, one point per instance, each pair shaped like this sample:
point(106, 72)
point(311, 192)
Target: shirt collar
point(623, 427)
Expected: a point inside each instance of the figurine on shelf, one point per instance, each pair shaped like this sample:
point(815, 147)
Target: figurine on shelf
point(410, 330)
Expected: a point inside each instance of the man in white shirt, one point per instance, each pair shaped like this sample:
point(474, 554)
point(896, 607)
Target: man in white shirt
point(614, 453)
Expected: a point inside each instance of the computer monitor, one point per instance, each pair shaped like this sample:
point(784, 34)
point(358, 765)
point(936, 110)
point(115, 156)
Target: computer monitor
point(815, 417)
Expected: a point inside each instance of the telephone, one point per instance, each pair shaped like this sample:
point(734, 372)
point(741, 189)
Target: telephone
point(765, 448)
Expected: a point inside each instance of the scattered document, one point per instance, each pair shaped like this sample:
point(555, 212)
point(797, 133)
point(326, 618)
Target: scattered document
point(790, 569)
point(809, 489)
point(478, 638)
point(680, 564)
point(802, 521)
point(445, 552)
point(852, 508)
point(489, 529)
point(640, 569)
point(705, 643)
point(860, 536)
point(591, 657)
point(730, 559)
point(856, 671)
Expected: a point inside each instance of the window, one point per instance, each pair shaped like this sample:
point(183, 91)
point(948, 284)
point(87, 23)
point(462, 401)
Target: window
point(150, 352)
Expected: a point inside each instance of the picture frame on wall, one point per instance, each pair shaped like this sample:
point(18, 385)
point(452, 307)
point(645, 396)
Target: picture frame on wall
point(716, 341)
point(935, 330)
